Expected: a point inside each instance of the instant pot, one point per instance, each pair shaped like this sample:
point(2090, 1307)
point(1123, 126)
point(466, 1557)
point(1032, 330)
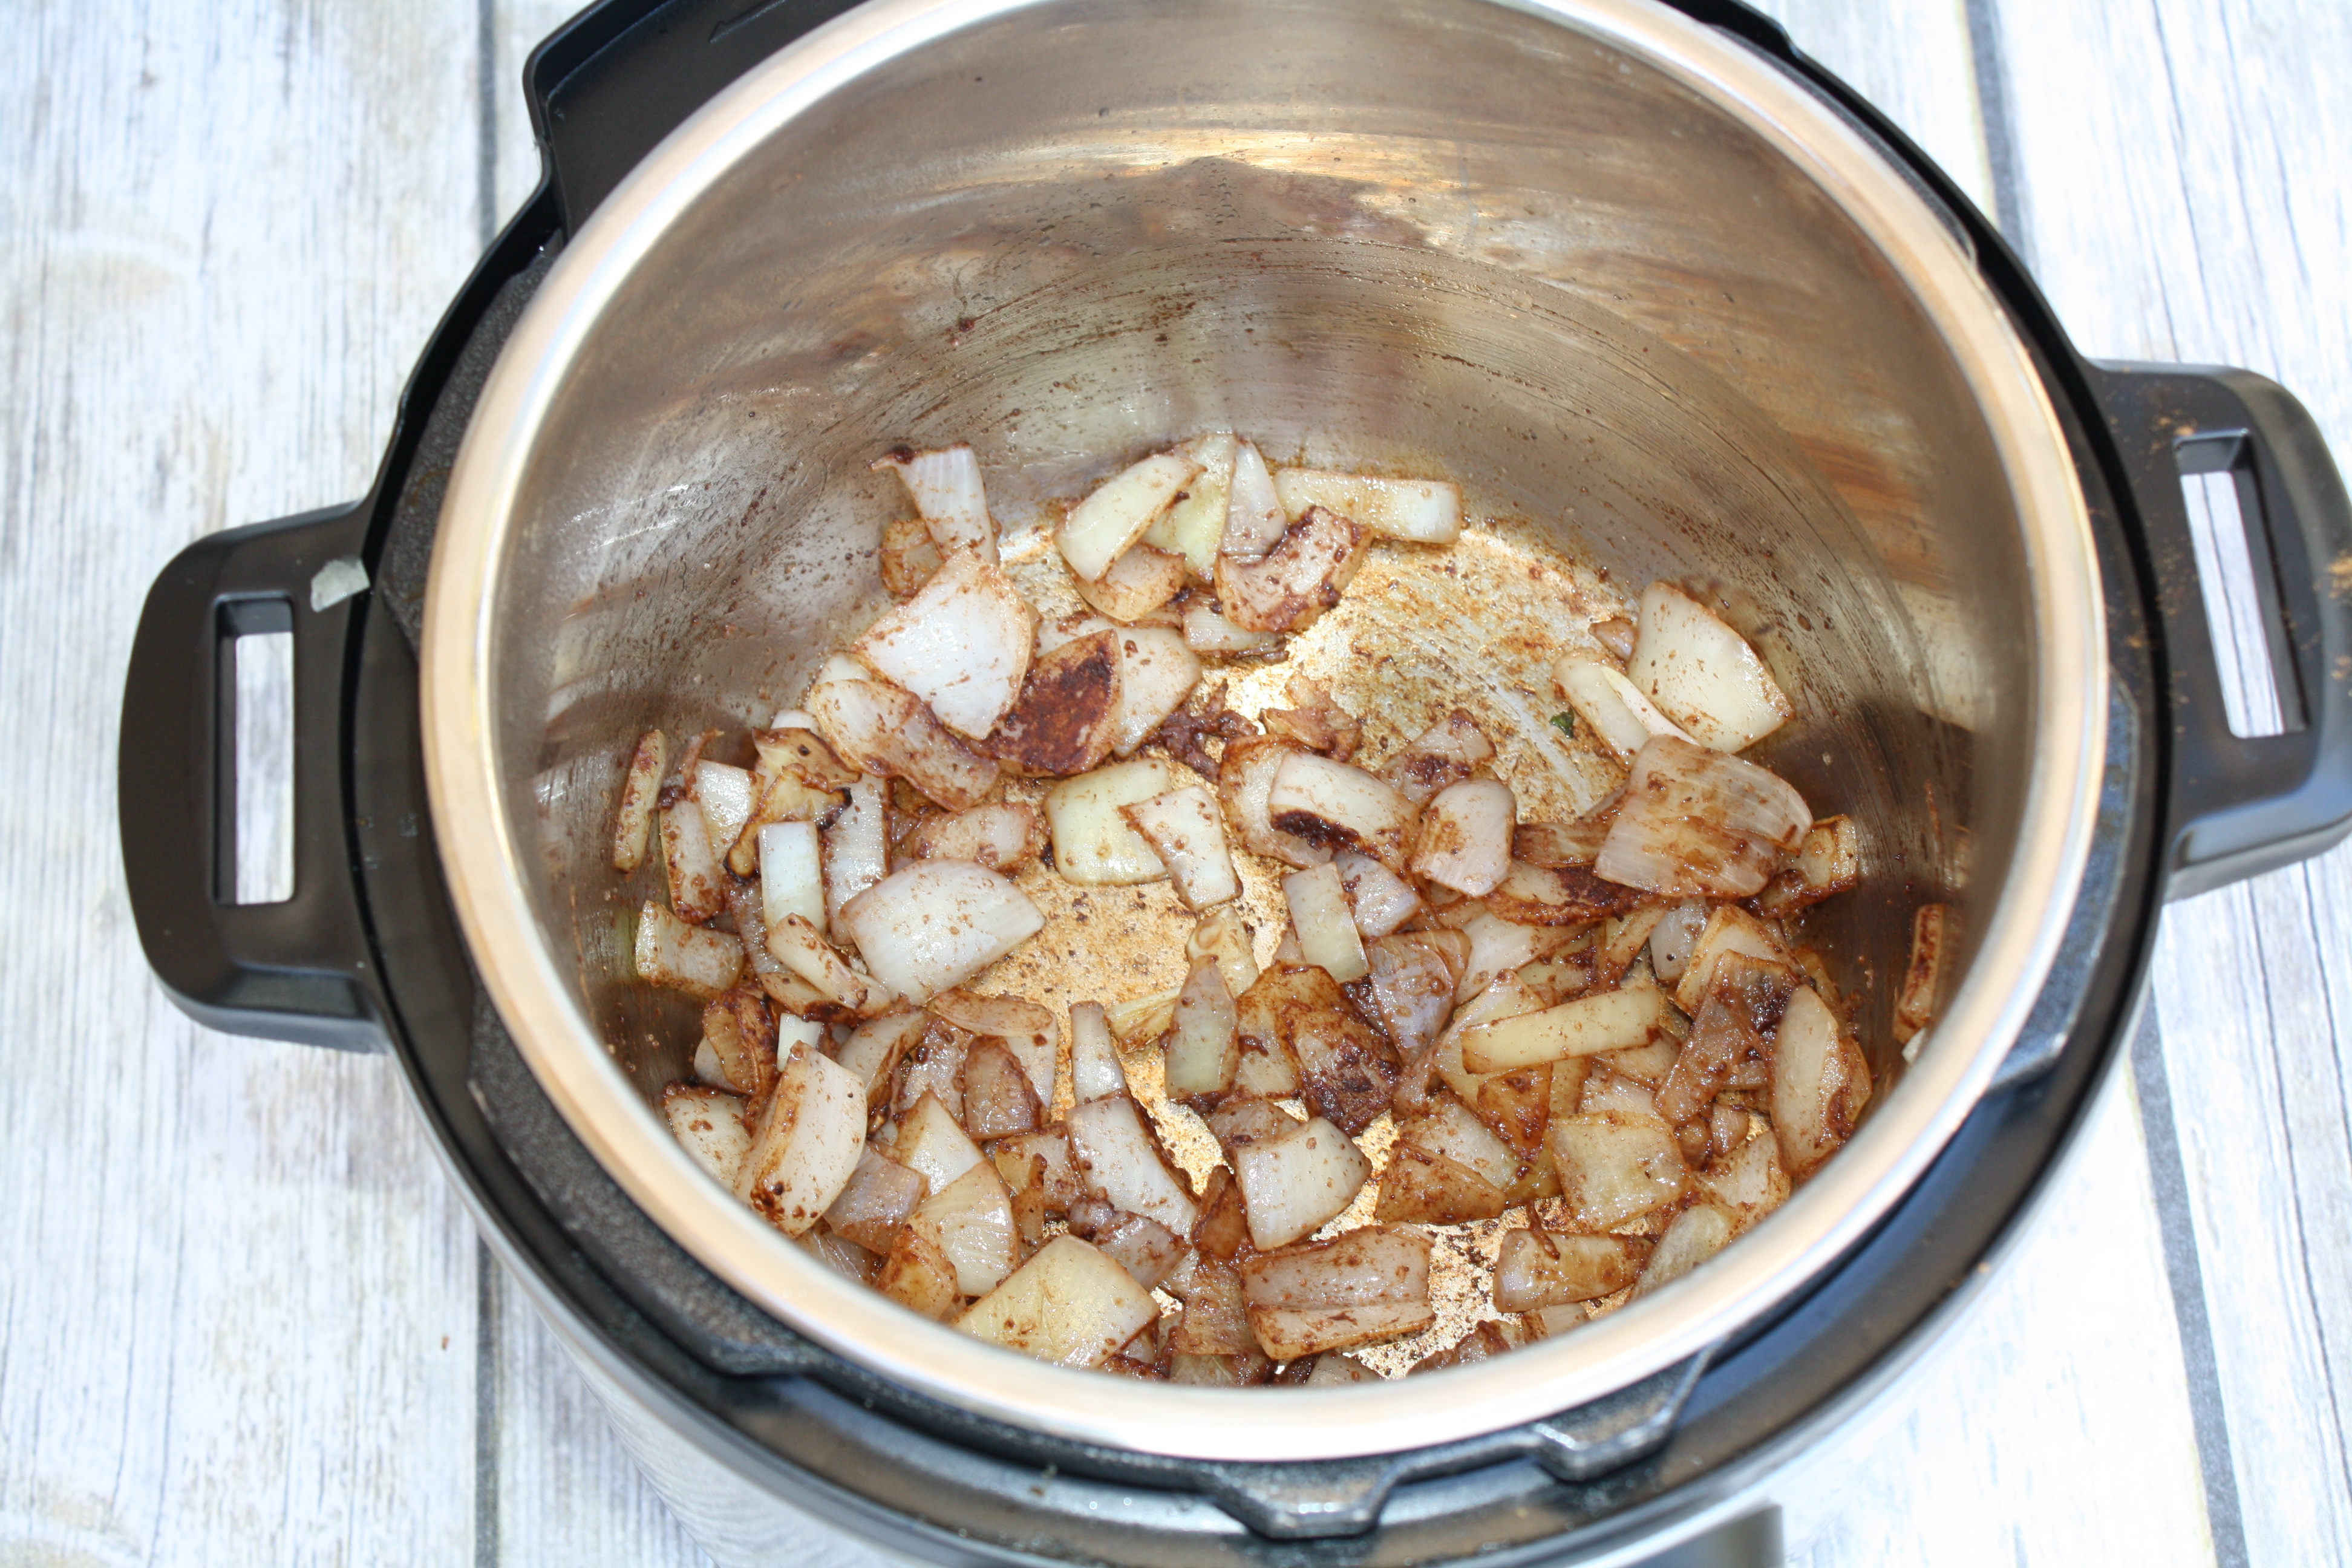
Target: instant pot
point(1640, 275)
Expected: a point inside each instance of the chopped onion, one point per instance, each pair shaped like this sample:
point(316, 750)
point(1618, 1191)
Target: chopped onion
point(998, 1098)
point(1200, 1047)
point(1729, 929)
point(1428, 511)
point(1820, 1083)
point(1369, 1284)
point(1246, 776)
point(919, 1276)
point(709, 1123)
point(1613, 706)
point(1497, 947)
point(932, 1144)
point(945, 487)
point(788, 795)
point(1923, 981)
point(740, 1038)
point(961, 644)
point(1614, 1095)
point(697, 887)
point(1026, 1029)
point(1411, 988)
point(1156, 673)
point(1069, 715)
point(1001, 837)
point(1135, 585)
point(1328, 936)
point(873, 1207)
point(1100, 528)
point(856, 847)
point(1612, 1021)
point(971, 1222)
point(1207, 631)
point(1379, 898)
point(640, 786)
point(1220, 934)
point(1749, 1181)
point(1422, 1188)
point(1703, 674)
point(724, 793)
point(1093, 845)
point(792, 874)
point(1144, 1247)
point(1316, 722)
point(1346, 1071)
point(1194, 527)
point(1254, 515)
point(1094, 1070)
point(873, 1049)
point(1672, 944)
point(669, 952)
point(1338, 805)
point(1070, 1305)
point(1570, 896)
point(1697, 1234)
point(797, 946)
point(1187, 833)
point(1464, 841)
point(1294, 1182)
point(1828, 861)
point(1445, 754)
point(1613, 1170)
point(808, 1143)
point(878, 729)
point(1290, 587)
point(1696, 822)
point(1337, 1371)
point(909, 557)
point(1536, 1269)
point(1117, 1157)
point(937, 923)
point(1449, 1128)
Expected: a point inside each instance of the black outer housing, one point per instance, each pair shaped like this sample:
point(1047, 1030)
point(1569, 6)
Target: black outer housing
point(367, 952)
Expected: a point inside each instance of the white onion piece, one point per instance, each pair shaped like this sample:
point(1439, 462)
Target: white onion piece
point(918, 1276)
point(1328, 936)
point(1450, 1129)
point(1292, 1184)
point(836, 667)
point(1207, 631)
point(1610, 1021)
point(1220, 934)
point(1071, 1305)
point(1337, 1371)
point(1144, 1247)
point(1703, 674)
point(1619, 714)
point(971, 1221)
point(1246, 776)
point(1749, 1181)
point(1464, 841)
point(961, 644)
point(946, 487)
point(908, 556)
point(724, 793)
point(1428, 511)
point(1446, 752)
point(1140, 581)
point(1156, 673)
point(1379, 899)
point(1922, 979)
point(1612, 1169)
point(1094, 1070)
point(937, 923)
point(1613, 1094)
point(933, 1144)
point(1368, 1285)
point(1292, 584)
point(1001, 837)
point(872, 1208)
point(1027, 1030)
point(856, 847)
point(878, 729)
point(1697, 1234)
point(874, 1048)
point(808, 1143)
point(1200, 1047)
point(1498, 947)
point(1187, 832)
point(1828, 861)
point(698, 886)
point(708, 1124)
point(1194, 529)
point(1700, 823)
point(1100, 528)
point(1337, 803)
point(1532, 1271)
point(792, 874)
point(1118, 1159)
point(1820, 1083)
point(1413, 989)
point(1093, 845)
point(791, 719)
point(1254, 520)
point(1676, 935)
point(669, 952)
point(640, 788)
point(798, 947)
point(791, 796)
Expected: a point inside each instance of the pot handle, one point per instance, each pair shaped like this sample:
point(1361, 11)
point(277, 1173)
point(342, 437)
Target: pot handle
point(298, 970)
point(607, 86)
point(2243, 804)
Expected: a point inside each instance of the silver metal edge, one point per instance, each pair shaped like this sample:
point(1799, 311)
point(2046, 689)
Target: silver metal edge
point(1907, 1129)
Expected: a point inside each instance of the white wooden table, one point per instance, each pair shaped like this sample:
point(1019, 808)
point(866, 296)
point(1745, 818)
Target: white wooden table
point(243, 1321)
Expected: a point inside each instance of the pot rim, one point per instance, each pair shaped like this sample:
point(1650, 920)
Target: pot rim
point(1821, 1219)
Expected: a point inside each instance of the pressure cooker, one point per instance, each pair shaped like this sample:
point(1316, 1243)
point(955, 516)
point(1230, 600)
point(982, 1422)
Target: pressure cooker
point(1639, 272)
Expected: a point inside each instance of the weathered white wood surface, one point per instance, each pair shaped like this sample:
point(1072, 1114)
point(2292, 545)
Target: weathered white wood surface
point(240, 1318)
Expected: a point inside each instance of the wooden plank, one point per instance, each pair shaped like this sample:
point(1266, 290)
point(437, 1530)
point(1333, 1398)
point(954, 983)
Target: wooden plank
point(2186, 200)
point(239, 1294)
point(2053, 1426)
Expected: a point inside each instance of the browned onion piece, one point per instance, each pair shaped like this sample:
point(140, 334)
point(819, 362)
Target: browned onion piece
point(1916, 1008)
point(879, 729)
point(639, 787)
point(1246, 778)
point(1369, 1284)
point(1317, 722)
point(1538, 1268)
point(1337, 805)
point(1445, 754)
point(1695, 822)
point(1293, 584)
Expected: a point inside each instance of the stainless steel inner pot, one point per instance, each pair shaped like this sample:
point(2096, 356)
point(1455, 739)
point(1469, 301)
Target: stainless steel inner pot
point(1651, 301)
